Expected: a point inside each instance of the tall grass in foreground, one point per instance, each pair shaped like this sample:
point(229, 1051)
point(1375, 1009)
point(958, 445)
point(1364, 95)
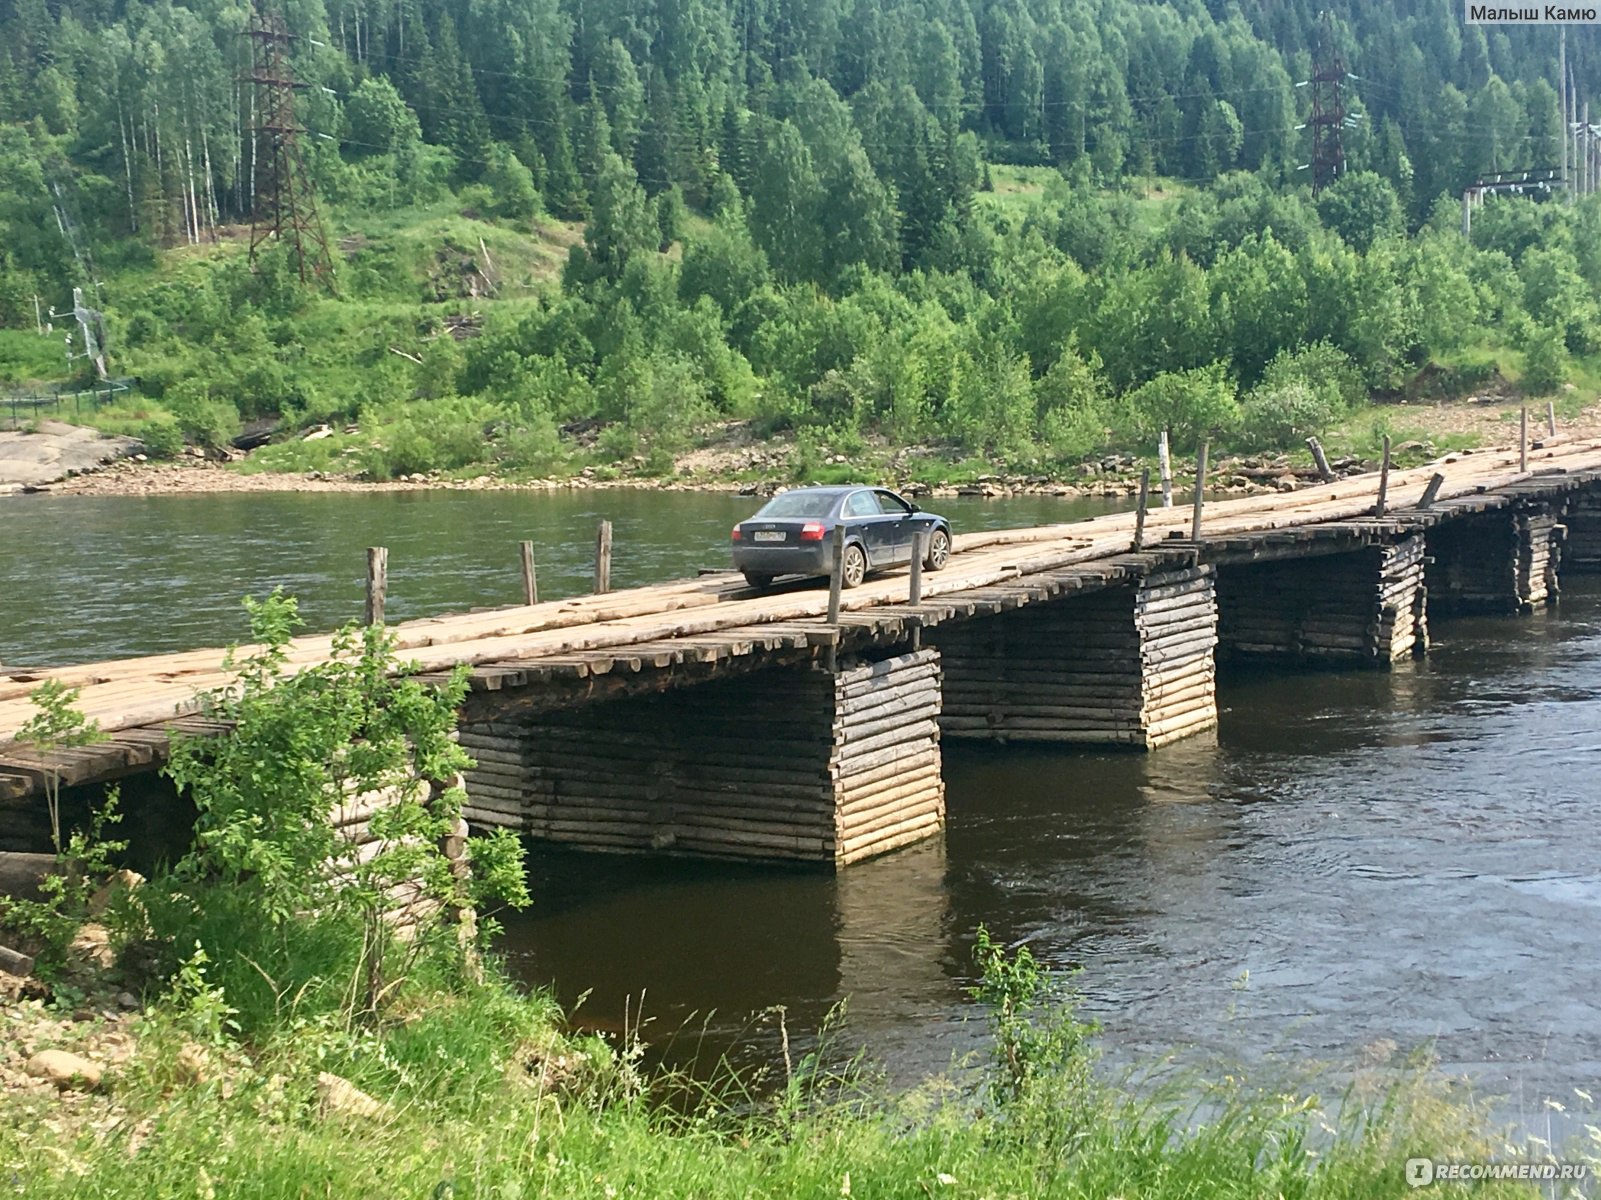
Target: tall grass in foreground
point(481, 1098)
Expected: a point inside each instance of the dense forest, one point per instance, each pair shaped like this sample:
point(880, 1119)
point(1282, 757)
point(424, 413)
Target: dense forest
point(1014, 227)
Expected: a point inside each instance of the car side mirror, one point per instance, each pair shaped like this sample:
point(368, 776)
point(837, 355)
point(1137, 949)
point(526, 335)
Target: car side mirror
point(912, 506)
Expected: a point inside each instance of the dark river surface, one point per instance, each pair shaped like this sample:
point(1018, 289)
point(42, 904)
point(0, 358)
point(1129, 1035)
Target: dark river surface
point(1354, 858)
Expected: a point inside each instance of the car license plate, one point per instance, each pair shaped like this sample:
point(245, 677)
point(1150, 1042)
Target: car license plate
point(768, 535)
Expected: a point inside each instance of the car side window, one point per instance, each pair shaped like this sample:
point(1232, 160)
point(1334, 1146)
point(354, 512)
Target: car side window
point(891, 503)
point(862, 504)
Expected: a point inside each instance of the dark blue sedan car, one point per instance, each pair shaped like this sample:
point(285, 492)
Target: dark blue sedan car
point(793, 534)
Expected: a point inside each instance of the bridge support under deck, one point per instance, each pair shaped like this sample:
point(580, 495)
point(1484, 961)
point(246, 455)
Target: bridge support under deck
point(1501, 561)
point(1129, 665)
point(1581, 552)
point(1362, 607)
point(784, 763)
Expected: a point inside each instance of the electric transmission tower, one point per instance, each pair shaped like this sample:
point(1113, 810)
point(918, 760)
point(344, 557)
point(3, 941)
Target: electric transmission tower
point(1328, 116)
point(285, 203)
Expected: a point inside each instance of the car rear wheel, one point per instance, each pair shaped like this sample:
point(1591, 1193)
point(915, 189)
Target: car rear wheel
point(855, 566)
point(758, 579)
point(939, 550)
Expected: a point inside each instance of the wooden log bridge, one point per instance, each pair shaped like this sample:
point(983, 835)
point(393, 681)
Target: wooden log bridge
point(703, 717)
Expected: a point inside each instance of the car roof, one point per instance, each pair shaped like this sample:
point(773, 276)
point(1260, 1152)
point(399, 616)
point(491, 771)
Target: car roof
point(831, 489)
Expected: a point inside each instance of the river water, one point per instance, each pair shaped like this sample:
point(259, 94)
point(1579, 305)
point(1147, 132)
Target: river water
point(1356, 859)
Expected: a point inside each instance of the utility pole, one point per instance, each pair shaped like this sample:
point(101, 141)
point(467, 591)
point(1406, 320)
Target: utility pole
point(1328, 110)
point(91, 326)
point(285, 205)
point(1562, 87)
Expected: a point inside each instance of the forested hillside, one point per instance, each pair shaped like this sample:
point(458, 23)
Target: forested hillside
point(1021, 227)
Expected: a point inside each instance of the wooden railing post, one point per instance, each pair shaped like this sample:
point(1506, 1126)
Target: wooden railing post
point(1200, 494)
point(1551, 418)
point(530, 580)
point(1164, 464)
point(836, 574)
point(603, 558)
point(1139, 513)
point(915, 586)
point(377, 583)
point(1523, 438)
point(1433, 490)
point(1384, 480)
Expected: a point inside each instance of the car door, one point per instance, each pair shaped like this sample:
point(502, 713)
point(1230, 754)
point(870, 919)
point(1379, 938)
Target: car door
point(900, 523)
point(865, 519)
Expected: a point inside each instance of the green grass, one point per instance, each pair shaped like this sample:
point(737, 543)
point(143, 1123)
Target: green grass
point(29, 360)
point(483, 1099)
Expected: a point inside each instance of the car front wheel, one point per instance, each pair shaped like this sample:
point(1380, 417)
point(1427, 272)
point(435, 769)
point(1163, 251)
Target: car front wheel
point(855, 569)
point(939, 550)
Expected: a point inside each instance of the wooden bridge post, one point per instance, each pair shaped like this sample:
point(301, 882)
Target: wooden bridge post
point(1432, 492)
point(1384, 480)
point(1551, 418)
point(603, 558)
point(914, 587)
point(1200, 493)
point(1139, 513)
point(377, 583)
point(1164, 462)
point(1523, 439)
point(530, 580)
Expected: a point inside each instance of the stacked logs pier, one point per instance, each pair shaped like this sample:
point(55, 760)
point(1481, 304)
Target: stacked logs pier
point(1126, 663)
point(780, 763)
point(1351, 593)
point(703, 717)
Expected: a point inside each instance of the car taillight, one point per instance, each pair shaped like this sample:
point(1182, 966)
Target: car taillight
point(736, 535)
point(812, 531)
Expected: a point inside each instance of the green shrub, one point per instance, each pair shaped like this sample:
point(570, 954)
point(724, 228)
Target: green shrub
point(1190, 405)
point(161, 437)
point(1545, 362)
point(1278, 416)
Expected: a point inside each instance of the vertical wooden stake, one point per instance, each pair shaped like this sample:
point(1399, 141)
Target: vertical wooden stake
point(1384, 479)
point(919, 548)
point(836, 584)
point(1321, 459)
point(836, 574)
point(603, 558)
point(1551, 418)
point(1523, 438)
point(1164, 462)
point(377, 583)
point(530, 580)
point(1200, 494)
point(1433, 490)
point(1139, 513)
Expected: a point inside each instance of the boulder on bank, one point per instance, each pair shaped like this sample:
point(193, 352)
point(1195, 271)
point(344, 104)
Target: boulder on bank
point(68, 1071)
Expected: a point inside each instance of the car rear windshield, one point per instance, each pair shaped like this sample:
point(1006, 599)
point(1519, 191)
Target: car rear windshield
point(799, 504)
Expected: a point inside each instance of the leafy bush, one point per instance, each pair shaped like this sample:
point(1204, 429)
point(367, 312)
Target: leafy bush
point(284, 907)
point(203, 419)
point(1545, 361)
point(1190, 405)
point(1279, 416)
point(161, 437)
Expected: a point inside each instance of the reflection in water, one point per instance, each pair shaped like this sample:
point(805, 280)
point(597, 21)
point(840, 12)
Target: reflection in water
point(1410, 855)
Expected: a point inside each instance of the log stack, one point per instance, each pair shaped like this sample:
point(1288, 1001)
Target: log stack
point(1365, 607)
point(1540, 536)
point(1129, 665)
point(780, 764)
point(1581, 552)
point(1475, 564)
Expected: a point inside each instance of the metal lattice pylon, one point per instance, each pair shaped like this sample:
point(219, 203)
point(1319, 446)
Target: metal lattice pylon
point(285, 202)
point(1327, 119)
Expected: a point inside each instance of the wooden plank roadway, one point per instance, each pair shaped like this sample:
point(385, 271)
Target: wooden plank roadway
point(713, 618)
